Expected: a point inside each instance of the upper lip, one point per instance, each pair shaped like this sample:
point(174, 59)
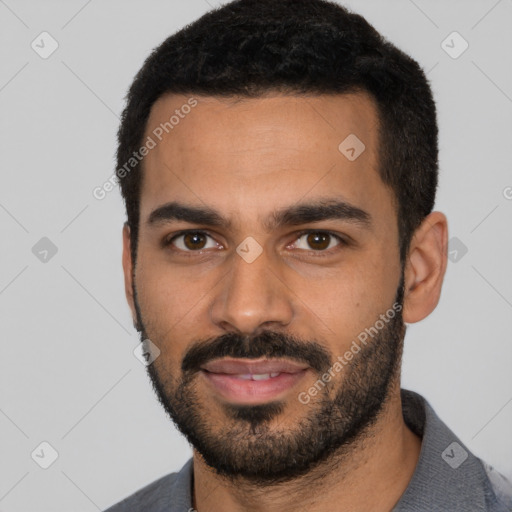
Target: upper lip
point(258, 367)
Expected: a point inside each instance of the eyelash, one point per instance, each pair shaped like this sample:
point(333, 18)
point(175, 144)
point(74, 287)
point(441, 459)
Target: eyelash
point(168, 242)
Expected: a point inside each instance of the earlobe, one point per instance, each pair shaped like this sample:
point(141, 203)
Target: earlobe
point(425, 267)
point(128, 272)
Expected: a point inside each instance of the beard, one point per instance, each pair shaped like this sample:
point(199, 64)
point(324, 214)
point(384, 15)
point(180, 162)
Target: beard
point(253, 442)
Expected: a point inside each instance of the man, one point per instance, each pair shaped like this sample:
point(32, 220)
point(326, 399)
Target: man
point(278, 162)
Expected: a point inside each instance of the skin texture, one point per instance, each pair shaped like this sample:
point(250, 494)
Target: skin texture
point(246, 159)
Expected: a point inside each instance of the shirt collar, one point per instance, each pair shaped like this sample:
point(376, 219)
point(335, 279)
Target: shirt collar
point(447, 476)
point(181, 489)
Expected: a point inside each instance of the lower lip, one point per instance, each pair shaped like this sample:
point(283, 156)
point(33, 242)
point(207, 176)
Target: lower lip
point(252, 391)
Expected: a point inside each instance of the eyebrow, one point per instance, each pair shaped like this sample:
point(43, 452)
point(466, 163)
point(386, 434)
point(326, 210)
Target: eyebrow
point(301, 213)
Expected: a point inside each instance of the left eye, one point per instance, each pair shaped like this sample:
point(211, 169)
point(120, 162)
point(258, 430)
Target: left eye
point(317, 240)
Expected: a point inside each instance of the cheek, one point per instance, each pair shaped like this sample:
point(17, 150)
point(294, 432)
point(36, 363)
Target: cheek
point(352, 298)
point(166, 310)
point(165, 298)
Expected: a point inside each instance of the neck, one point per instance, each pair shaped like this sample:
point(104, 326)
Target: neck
point(370, 474)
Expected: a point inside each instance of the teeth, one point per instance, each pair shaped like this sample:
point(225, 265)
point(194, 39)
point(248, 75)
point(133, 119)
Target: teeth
point(261, 376)
point(257, 376)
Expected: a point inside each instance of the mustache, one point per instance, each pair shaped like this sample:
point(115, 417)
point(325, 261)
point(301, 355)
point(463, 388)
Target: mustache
point(267, 344)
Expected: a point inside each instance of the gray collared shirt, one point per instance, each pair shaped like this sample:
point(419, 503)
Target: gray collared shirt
point(447, 478)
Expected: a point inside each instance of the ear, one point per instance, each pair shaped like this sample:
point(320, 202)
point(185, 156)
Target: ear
point(425, 267)
point(128, 272)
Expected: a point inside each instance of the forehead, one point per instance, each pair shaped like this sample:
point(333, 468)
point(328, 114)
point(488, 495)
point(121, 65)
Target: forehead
point(245, 156)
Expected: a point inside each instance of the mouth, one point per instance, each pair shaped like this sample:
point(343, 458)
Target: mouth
point(248, 382)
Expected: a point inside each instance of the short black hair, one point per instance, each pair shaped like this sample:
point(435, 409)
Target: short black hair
point(248, 48)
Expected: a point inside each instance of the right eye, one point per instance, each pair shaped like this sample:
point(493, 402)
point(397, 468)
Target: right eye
point(189, 241)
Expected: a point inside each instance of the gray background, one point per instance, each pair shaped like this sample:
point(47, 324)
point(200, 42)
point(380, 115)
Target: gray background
point(68, 375)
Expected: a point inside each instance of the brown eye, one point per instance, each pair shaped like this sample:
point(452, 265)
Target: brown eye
point(191, 241)
point(194, 241)
point(318, 241)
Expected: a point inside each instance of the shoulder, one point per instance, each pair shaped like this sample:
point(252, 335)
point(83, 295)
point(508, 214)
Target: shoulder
point(169, 493)
point(448, 476)
point(152, 497)
point(500, 486)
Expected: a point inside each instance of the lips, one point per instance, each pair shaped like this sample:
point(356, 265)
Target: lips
point(260, 367)
point(253, 381)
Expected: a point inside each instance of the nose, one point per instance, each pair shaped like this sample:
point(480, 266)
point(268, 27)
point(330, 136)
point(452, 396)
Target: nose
point(252, 297)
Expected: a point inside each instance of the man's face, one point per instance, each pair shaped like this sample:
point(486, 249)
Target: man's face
point(253, 288)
